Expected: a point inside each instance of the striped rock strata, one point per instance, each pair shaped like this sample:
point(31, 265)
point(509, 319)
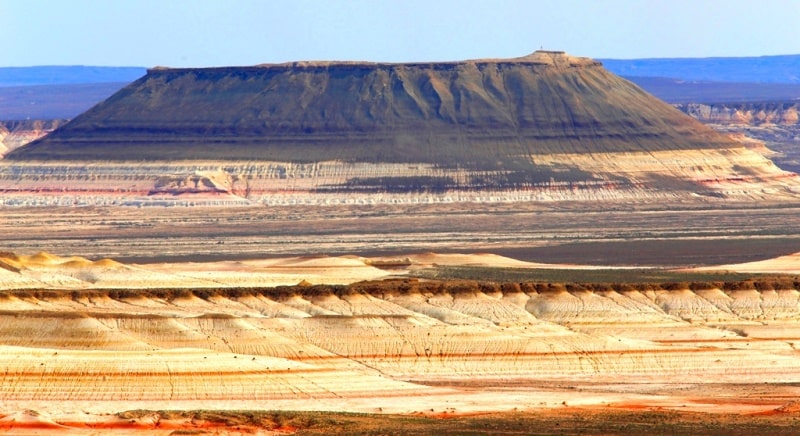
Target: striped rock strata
point(391, 343)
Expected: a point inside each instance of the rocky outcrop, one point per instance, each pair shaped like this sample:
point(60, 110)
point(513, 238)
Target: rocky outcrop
point(100, 337)
point(390, 344)
point(196, 182)
point(485, 114)
point(736, 174)
point(544, 127)
point(754, 114)
point(15, 134)
point(775, 125)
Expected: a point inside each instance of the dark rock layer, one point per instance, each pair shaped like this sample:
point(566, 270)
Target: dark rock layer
point(483, 113)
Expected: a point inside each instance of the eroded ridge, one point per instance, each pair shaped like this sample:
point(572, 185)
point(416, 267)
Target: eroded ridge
point(694, 176)
point(391, 339)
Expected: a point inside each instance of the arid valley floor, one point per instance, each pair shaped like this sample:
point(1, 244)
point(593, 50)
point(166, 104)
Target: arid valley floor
point(496, 246)
point(227, 329)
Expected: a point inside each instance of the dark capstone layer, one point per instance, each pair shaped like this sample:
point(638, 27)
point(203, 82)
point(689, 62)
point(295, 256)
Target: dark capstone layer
point(485, 114)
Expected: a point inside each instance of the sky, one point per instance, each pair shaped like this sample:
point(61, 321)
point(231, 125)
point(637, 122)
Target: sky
point(206, 33)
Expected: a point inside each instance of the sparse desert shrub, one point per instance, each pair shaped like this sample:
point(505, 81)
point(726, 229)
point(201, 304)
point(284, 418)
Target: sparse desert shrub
point(280, 292)
point(405, 286)
point(676, 286)
point(647, 287)
point(784, 284)
point(550, 287)
point(461, 287)
point(600, 287)
point(575, 287)
point(432, 287)
point(739, 332)
point(489, 287)
point(24, 294)
point(704, 286)
point(205, 294)
point(764, 285)
point(398, 184)
point(120, 294)
point(391, 285)
point(623, 287)
point(742, 285)
point(511, 288)
point(337, 290)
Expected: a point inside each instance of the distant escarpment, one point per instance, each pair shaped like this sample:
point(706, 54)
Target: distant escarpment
point(748, 113)
point(472, 113)
point(776, 124)
point(14, 134)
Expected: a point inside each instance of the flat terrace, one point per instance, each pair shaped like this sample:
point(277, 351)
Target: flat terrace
point(612, 234)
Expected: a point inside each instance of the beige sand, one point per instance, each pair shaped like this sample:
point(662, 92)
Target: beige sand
point(87, 352)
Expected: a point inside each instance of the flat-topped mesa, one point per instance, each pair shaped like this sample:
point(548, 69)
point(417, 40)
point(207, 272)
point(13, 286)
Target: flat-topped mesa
point(539, 57)
point(495, 113)
point(545, 127)
point(558, 59)
point(14, 134)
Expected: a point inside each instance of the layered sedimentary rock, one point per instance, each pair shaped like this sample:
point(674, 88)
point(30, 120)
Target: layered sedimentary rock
point(774, 124)
point(400, 344)
point(473, 113)
point(755, 114)
point(15, 134)
point(538, 127)
point(735, 174)
point(80, 343)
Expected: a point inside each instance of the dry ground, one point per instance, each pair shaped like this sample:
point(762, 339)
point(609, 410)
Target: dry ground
point(393, 356)
point(498, 360)
point(668, 235)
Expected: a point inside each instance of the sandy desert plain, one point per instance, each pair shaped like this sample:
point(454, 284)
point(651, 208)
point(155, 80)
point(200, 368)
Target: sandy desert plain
point(659, 293)
point(232, 326)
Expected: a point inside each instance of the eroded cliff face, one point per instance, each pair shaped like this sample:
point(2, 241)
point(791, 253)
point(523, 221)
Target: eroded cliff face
point(754, 114)
point(100, 337)
point(774, 124)
point(485, 114)
point(15, 134)
point(391, 342)
point(736, 174)
point(545, 127)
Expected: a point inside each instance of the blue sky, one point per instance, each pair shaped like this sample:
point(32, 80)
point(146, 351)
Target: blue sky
point(201, 33)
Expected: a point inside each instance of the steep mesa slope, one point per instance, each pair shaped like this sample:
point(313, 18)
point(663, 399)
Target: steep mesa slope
point(545, 127)
point(460, 113)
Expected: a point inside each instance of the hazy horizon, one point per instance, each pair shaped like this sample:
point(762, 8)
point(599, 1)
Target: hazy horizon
point(207, 33)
